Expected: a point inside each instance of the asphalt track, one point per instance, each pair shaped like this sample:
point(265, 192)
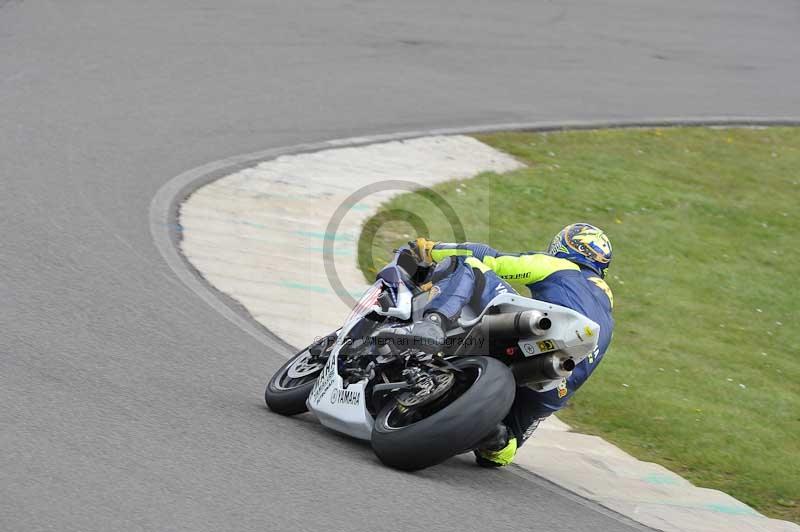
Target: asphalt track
point(130, 404)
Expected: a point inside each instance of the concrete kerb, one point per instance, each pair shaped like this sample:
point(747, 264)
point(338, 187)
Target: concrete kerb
point(164, 207)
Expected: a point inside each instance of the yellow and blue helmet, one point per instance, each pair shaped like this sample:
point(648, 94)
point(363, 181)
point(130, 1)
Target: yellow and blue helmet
point(583, 244)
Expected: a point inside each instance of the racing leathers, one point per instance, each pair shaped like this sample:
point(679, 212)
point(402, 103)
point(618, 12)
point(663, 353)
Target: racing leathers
point(475, 273)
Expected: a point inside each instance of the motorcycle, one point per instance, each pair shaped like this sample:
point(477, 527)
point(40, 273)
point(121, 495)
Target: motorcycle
point(420, 404)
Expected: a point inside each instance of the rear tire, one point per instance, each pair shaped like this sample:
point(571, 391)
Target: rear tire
point(290, 386)
point(455, 429)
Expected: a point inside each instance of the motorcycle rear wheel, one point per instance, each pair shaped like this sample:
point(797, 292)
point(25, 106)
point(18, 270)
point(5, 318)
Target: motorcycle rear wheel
point(452, 430)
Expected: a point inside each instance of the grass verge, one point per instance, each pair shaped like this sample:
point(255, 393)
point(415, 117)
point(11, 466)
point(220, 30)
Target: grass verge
point(703, 375)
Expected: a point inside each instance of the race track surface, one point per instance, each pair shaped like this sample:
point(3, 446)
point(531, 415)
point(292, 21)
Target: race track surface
point(130, 404)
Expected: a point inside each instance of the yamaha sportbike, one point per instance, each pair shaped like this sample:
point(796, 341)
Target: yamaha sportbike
point(421, 404)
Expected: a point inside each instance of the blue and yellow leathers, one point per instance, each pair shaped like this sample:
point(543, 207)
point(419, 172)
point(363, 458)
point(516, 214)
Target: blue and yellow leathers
point(540, 276)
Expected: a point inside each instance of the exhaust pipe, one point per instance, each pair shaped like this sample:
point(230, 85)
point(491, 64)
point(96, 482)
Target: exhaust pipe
point(520, 324)
point(542, 368)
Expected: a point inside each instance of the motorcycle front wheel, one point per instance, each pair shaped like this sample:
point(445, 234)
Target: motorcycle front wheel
point(290, 386)
point(412, 440)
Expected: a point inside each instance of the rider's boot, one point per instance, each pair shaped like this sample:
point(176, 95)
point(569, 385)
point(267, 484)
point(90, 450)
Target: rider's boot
point(497, 449)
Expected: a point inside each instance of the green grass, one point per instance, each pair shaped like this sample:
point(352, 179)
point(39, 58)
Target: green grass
point(706, 236)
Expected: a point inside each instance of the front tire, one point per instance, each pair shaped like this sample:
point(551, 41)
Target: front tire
point(456, 428)
point(290, 386)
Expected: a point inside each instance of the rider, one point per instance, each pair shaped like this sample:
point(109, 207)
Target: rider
point(570, 274)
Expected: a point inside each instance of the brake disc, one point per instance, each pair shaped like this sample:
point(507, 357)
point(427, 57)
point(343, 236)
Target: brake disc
point(436, 387)
point(304, 366)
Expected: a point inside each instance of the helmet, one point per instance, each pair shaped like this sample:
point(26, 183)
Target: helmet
point(583, 244)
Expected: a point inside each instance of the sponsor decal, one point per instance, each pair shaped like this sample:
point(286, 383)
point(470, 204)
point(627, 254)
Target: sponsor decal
point(528, 348)
point(325, 380)
point(546, 345)
point(593, 354)
point(562, 389)
point(516, 276)
point(345, 397)
point(588, 331)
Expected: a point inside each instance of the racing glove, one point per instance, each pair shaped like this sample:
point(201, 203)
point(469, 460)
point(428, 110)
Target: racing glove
point(422, 248)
